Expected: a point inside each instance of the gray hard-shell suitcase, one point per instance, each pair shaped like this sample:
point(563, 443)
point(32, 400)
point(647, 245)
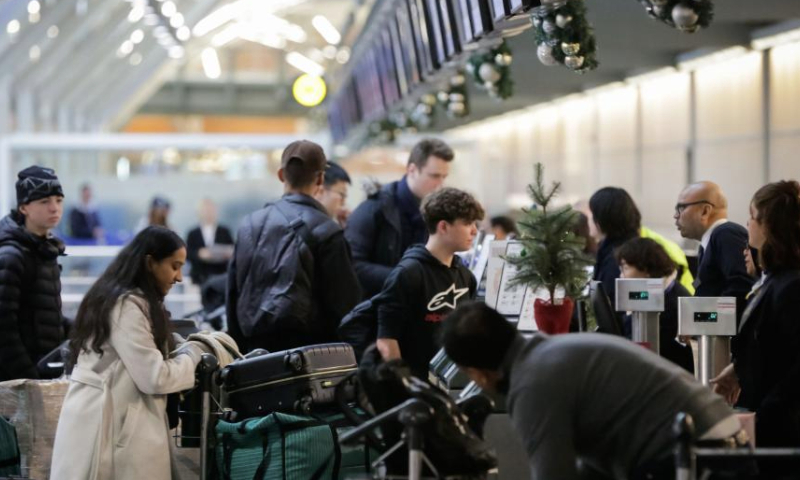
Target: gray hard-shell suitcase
point(294, 380)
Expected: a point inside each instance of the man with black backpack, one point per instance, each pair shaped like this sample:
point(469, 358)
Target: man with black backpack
point(291, 279)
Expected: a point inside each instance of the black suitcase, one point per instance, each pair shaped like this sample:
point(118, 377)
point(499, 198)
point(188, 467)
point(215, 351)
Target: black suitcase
point(291, 381)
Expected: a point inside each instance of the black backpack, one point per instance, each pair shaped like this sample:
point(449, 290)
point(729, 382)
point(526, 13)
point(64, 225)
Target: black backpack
point(285, 301)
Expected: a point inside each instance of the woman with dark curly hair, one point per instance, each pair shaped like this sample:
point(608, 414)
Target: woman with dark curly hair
point(645, 258)
point(764, 376)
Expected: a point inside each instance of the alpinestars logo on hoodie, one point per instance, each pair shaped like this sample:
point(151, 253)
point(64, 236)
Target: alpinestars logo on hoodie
point(447, 298)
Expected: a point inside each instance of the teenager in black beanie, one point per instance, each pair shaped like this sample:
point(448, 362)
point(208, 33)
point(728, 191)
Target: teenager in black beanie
point(31, 324)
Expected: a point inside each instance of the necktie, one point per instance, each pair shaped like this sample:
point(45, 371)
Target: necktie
point(700, 252)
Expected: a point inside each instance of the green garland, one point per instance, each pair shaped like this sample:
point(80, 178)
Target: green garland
point(690, 16)
point(386, 130)
point(497, 61)
point(564, 36)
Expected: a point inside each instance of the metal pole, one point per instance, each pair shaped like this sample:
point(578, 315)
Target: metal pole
point(646, 330)
point(705, 352)
point(6, 177)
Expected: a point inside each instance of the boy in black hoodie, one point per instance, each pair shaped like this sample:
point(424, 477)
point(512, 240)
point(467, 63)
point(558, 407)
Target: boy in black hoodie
point(429, 282)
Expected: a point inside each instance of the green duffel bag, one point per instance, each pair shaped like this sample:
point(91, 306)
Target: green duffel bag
point(9, 449)
point(282, 446)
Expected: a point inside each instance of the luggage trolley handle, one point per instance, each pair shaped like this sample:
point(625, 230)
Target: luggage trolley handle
point(208, 366)
point(412, 414)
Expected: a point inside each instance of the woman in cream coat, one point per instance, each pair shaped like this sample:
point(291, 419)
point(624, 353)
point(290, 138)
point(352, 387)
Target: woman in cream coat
point(113, 422)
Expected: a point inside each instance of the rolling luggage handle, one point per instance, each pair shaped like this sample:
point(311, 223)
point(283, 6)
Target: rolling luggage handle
point(413, 414)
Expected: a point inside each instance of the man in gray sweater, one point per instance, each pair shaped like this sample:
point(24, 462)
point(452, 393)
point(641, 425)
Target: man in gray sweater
point(584, 401)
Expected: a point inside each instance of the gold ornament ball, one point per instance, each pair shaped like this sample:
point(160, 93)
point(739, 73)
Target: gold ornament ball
point(503, 59)
point(443, 96)
point(458, 108)
point(573, 61)
point(570, 48)
point(428, 99)
point(457, 80)
point(456, 98)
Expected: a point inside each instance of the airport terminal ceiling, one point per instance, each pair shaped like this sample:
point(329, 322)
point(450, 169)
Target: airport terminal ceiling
point(90, 65)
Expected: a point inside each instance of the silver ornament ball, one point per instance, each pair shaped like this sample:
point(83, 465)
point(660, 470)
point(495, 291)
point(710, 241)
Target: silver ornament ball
point(488, 73)
point(456, 98)
point(545, 54)
point(658, 11)
point(685, 17)
point(457, 108)
point(536, 21)
point(563, 20)
point(443, 96)
point(573, 61)
point(549, 27)
point(570, 48)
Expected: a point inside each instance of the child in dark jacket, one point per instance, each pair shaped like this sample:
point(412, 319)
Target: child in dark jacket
point(430, 281)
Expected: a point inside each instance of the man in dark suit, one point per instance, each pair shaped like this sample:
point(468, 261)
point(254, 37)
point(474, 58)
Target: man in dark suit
point(209, 246)
point(702, 214)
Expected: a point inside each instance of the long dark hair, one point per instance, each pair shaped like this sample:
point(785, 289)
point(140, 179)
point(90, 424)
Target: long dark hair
point(126, 273)
point(778, 210)
point(615, 213)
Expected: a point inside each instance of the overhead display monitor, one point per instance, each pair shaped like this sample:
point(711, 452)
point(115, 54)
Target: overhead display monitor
point(463, 21)
point(388, 71)
point(408, 49)
point(397, 56)
point(519, 6)
point(481, 17)
point(421, 40)
point(498, 9)
point(452, 41)
point(434, 22)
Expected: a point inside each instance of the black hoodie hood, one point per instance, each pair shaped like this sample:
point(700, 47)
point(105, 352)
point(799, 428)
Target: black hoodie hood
point(12, 232)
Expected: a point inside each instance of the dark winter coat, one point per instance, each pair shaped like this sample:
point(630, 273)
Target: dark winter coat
point(259, 256)
point(375, 234)
point(30, 299)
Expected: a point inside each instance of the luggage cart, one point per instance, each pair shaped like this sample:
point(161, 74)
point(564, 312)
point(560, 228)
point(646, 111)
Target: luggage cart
point(199, 416)
point(687, 453)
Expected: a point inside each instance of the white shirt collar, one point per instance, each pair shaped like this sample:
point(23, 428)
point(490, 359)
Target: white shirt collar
point(208, 232)
point(707, 236)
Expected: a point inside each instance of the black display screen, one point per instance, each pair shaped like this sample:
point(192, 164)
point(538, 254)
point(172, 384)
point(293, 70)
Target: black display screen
point(638, 295)
point(498, 10)
point(464, 22)
point(419, 26)
point(408, 46)
point(452, 44)
point(434, 22)
point(481, 17)
point(706, 317)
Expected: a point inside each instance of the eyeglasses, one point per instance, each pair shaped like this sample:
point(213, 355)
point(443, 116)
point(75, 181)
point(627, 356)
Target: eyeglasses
point(680, 207)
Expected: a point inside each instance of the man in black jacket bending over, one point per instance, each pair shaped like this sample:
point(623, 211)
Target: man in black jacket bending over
point(31, 324)
point(387, 223)
point(291, 279)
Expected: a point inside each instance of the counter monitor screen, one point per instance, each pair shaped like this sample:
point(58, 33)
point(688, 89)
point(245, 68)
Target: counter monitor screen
point(706, 317)
point(638, 295)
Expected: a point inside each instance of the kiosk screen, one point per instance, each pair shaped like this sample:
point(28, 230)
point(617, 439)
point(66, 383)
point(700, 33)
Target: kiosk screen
point(638, 295)
point(706, 317)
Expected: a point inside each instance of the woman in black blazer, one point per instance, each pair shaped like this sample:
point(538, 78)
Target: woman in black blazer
point(765, 374)
point(617, 220)
point(645, 258)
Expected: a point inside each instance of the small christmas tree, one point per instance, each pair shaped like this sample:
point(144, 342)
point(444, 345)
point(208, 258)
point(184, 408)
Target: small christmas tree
point(552, 256)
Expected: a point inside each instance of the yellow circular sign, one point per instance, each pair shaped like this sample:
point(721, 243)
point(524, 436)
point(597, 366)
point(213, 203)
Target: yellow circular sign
point(309, 90)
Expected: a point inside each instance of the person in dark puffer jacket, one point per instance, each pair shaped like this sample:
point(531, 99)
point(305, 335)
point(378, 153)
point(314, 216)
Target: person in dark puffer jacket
point(31, 324)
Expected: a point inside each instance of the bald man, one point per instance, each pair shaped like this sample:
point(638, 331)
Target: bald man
point(702, 214)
